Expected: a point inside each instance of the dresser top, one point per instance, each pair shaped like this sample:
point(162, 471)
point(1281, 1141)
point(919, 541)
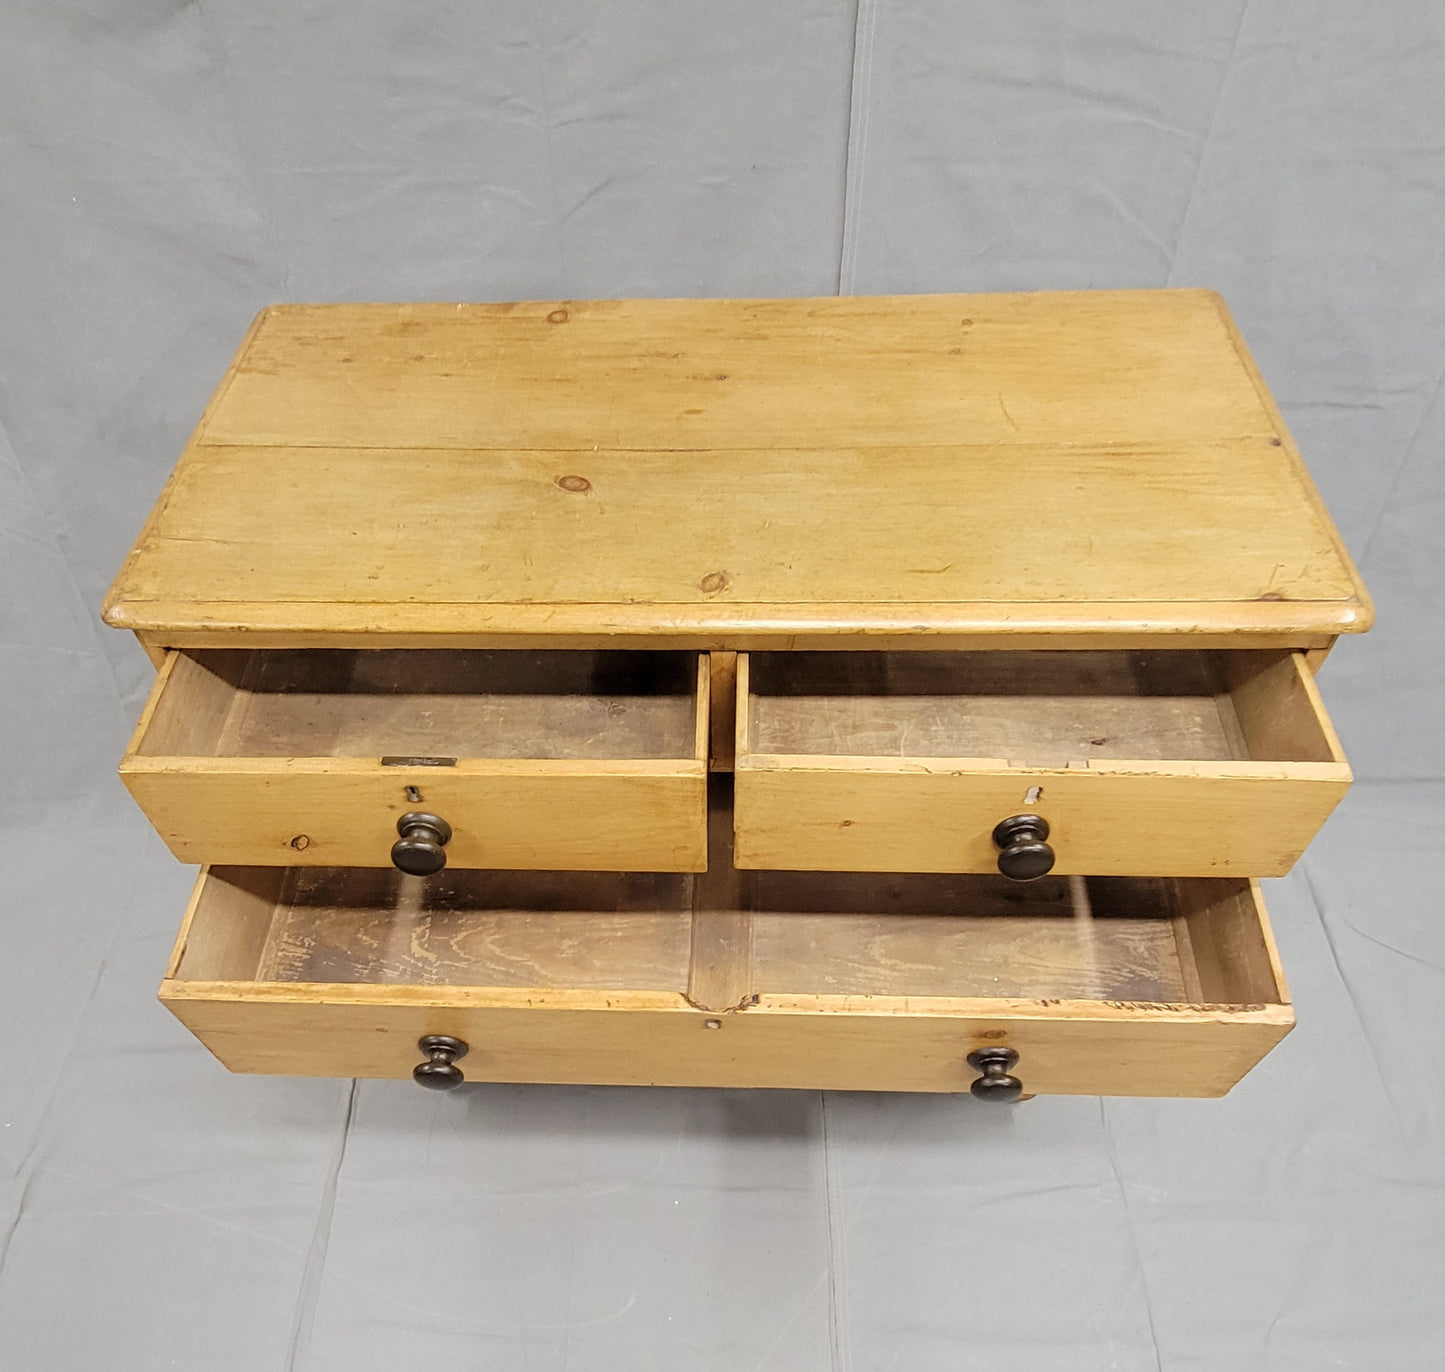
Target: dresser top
point(1102, 465)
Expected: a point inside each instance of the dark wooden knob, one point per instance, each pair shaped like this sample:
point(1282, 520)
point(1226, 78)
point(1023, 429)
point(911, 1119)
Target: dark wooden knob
point(419, 851)
point(997, 1081)
point(1023, 854)
point(439, 1072)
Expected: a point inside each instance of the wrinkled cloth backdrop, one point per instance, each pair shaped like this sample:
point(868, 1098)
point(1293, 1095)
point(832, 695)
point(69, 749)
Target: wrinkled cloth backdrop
point(168, 168)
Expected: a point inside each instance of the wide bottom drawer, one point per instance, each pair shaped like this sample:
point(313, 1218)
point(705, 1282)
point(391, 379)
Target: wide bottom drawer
point(1109, 986)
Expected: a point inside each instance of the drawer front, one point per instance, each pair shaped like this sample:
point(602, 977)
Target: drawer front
point(795, 818)
point(813, 1043)
point(219, 761)
point(836, 808)
point(1134, 987)
point(627, 817)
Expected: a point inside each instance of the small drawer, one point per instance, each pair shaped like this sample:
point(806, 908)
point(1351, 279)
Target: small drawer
point(549, 760)
point(1161, 763)
point(779, 979)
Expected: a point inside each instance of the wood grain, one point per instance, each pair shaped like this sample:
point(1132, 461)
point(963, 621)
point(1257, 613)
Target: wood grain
point(720, 976)
point(859, 983)
point(815, 1043)
point(615, 816)
point(700, 374)
point(1048, 708)
point(1279, 708)
point(1005, 477)
point(724, 692)
point(1291, 450)
point(588, 761)
point(918, 935)
point(1145, 779)
point(804, 628)
point(1232, 949)
point(186, 712)
point(728, 474)
point(329, 703)
point(227, 928)
point(1192, 524)
point(582, 930)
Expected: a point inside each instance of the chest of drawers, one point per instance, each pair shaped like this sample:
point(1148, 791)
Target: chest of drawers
point(879, 693)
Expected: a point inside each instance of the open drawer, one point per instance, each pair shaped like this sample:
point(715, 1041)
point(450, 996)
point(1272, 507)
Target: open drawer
point(1146, 763)
point(549, 760)
point(808, 980)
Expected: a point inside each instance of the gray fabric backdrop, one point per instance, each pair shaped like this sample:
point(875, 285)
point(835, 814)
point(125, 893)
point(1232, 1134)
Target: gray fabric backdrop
point(168, 168)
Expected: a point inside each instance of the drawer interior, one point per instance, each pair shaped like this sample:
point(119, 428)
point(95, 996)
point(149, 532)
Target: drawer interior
point(358, 926)
point(726, 936)
point(1039, 709)
point(437, 702)
point(1096, 938)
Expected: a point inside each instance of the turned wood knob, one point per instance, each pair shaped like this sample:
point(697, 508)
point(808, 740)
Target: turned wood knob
point(419, 851)
point(996, 1082)
point(439, 1072)
point(1023, 854)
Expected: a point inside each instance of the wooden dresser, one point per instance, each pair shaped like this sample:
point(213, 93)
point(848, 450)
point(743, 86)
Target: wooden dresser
point(880, 693)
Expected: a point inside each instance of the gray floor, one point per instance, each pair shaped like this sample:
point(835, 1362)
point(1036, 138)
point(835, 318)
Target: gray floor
point(166, 170)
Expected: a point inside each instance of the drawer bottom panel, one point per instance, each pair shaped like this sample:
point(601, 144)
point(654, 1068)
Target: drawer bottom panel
point(1103, 986)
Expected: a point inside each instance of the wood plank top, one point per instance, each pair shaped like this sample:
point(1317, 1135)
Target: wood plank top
point(1102, 466)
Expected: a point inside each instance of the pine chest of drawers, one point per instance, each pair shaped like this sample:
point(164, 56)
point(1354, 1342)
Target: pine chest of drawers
point(886, 694)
